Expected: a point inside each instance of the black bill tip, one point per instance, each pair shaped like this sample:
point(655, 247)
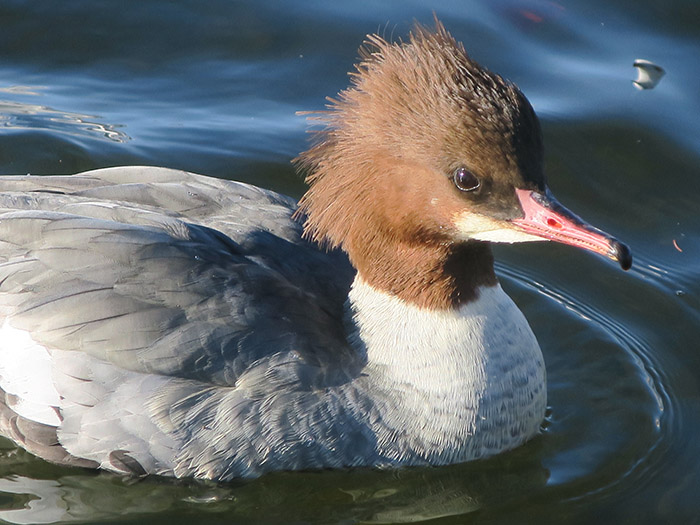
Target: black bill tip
point(622, 254)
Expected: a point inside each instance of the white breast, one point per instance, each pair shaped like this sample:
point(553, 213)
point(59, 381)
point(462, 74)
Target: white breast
point(452, 385)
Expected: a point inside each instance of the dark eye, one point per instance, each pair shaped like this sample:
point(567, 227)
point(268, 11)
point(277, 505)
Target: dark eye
point(465, 180)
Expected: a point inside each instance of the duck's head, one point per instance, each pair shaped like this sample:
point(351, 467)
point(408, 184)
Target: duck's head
point(425, 159)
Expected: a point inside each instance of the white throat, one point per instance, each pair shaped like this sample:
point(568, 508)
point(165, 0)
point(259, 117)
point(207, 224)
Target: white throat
point(451, 385)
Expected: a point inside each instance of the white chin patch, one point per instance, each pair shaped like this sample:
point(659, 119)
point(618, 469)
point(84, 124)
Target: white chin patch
point(506, 235)
point(481, 228)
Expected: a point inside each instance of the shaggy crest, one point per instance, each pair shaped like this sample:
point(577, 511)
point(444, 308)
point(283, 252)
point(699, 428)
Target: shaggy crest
point(421, 102)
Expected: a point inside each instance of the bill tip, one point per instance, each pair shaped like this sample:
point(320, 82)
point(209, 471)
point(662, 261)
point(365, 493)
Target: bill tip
point(622, 254)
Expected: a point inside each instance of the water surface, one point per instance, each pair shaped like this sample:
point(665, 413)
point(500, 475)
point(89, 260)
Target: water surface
point(214, 88)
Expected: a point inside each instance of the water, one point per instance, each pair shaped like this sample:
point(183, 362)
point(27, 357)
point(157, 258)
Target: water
point(213, 88)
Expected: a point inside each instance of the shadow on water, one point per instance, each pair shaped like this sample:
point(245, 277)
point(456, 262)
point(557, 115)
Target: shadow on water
point(357, 496)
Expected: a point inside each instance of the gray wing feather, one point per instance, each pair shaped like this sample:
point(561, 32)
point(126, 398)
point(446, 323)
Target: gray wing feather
point(161, 296)
point(205, 285)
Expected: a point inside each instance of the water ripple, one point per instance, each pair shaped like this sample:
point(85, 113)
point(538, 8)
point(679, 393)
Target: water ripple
point(642, 354)
point(26, 116)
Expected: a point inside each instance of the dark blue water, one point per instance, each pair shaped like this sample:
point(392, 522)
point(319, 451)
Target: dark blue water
point(213, 87)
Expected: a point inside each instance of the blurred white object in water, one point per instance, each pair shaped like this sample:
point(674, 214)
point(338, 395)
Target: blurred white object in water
point(648, 74)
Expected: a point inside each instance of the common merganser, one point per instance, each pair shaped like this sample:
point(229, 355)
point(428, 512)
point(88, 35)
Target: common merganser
point(161, 322)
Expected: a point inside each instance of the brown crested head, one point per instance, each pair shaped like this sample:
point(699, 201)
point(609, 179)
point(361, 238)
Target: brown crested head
point(418, 164)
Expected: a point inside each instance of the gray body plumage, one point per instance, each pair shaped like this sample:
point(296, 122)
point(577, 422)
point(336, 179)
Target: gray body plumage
point(191, 331)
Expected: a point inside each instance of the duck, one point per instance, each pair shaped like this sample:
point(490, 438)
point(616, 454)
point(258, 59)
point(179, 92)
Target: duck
point(160, 322)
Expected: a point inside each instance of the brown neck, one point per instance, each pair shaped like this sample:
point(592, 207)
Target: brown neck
point(428, 276)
